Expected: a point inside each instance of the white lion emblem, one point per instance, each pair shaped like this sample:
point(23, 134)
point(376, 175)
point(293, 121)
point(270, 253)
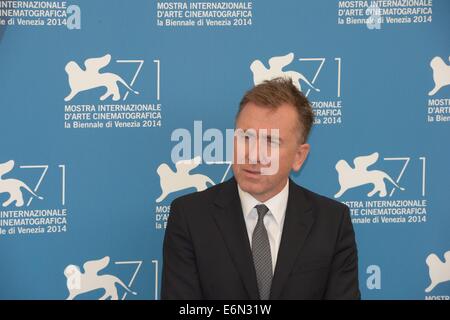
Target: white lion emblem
point(13, 186)
point(441, 74)
point(354, 177)
point(82, 80)
point(276, 65)
point(439, 271)
point(181, 179)
point(90, 280)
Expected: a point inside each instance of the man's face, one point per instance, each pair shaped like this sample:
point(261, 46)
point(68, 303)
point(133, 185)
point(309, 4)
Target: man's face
point(291, 153)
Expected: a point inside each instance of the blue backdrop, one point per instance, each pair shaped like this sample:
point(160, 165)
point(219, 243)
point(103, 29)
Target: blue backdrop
point(92, 91)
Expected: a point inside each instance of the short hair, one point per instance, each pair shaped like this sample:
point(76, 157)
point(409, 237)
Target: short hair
point(273, 93)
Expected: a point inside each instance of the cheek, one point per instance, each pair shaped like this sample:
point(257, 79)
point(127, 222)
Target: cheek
point(235, 168)
point(286, 159)
point(240, 151)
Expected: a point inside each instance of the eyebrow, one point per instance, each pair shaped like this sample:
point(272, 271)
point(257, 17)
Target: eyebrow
point(268, 136)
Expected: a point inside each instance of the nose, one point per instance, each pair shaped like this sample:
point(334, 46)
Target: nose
point(253, 151)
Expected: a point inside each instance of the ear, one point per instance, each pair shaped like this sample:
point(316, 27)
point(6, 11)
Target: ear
point(300, 156)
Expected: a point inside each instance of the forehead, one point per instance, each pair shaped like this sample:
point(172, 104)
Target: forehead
point(283, 117)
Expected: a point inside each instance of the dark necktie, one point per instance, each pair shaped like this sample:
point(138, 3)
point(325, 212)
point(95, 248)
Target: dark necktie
point(261, 254)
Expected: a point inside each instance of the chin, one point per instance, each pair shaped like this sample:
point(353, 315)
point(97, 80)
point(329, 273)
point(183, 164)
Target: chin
point(252, 187)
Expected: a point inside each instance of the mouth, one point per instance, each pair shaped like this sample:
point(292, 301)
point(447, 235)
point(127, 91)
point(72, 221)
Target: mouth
point(252, 172)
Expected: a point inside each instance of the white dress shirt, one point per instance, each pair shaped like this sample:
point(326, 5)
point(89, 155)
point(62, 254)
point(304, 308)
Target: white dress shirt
point(273, 220)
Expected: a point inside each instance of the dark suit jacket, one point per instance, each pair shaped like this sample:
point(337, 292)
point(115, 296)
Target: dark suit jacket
point(207, 253)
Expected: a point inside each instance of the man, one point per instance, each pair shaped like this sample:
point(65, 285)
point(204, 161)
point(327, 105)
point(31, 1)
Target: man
point(261, 236)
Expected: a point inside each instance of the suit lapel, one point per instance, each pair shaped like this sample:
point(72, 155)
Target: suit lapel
point(230, 220)
point(297, 223)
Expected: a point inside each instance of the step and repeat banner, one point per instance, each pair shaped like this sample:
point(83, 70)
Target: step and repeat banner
point(98, 96)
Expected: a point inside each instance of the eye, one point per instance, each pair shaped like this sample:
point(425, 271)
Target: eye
point(273, 142)
point(249, 135)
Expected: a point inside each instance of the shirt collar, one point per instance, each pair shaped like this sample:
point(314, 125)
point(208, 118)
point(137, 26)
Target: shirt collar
point(277, 204)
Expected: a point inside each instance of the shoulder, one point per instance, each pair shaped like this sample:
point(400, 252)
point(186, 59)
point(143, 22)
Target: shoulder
point(320, 205)
point(323, 201)
point(198, 203)
point(200, 197)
